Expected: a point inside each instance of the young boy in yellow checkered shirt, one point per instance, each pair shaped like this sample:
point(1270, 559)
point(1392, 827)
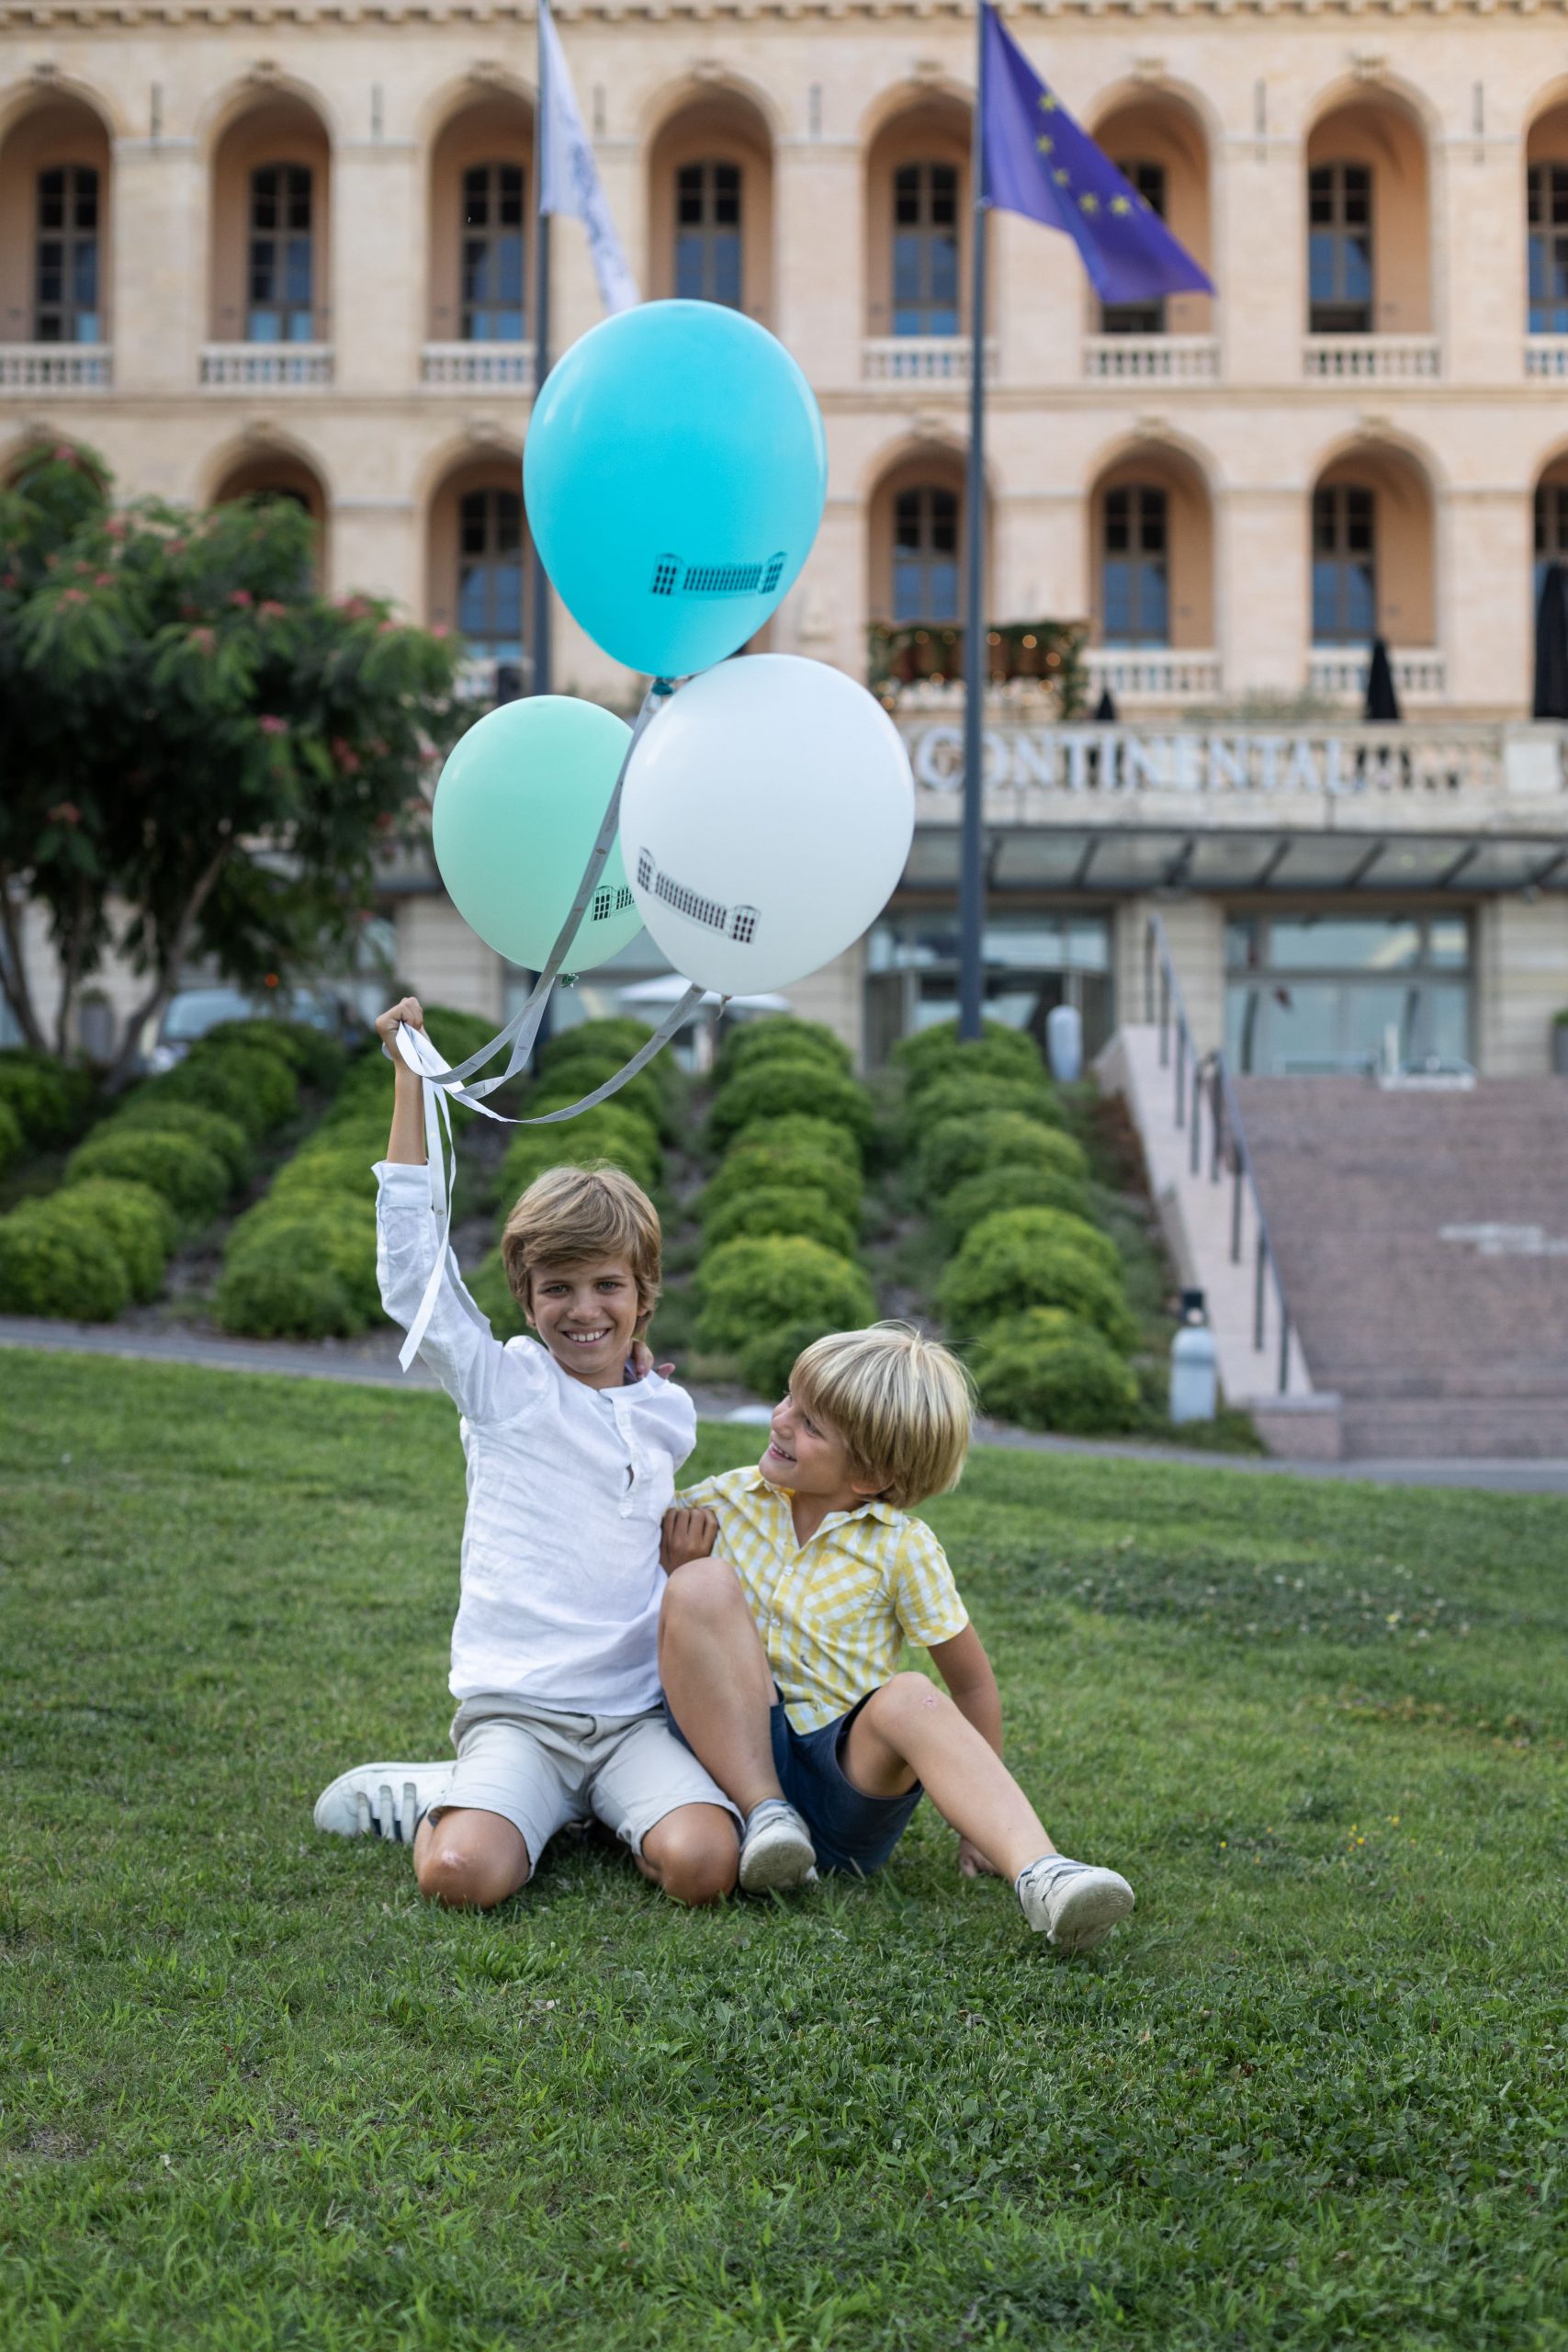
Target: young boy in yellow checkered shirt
point(793, 1588)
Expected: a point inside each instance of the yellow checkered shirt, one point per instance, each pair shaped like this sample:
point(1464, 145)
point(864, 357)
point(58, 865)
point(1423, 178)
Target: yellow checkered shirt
point(834, 1612)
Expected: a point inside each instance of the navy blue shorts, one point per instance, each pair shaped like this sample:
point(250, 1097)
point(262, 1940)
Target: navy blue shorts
point(849, 1830)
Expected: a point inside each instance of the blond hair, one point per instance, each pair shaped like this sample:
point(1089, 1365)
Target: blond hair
point(568, 1215)
point(901, 1403)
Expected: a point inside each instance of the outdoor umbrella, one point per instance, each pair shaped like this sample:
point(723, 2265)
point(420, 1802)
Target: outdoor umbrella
point(1552, 646)
point(1105, 712)
point(1382, 703)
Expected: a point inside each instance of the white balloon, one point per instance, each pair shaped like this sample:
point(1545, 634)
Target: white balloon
point(766, 818)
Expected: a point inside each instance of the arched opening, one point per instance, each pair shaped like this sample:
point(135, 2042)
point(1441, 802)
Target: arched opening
point(1546, 222)
point(280, 473)
point(917, 207)
point(271, 175)
point(1158, 144)
point(1373, 565)
point(1152, 553)
point(1369, 235)
point(481, 207)
point(55, 244)
point(477, 570)
point(1549, 526)
point(710, 209)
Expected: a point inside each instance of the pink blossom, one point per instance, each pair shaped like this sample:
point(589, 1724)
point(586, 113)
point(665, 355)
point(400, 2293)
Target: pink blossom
point(64, 454)
point(269, 609)
point(241, 596)
point(441, 629)
point(271, 725)
point(65, 812)
point(74, 596)
point(104, 580)
point(203, 640)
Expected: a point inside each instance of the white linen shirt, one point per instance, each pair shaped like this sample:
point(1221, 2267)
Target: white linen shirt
point(568, 1485)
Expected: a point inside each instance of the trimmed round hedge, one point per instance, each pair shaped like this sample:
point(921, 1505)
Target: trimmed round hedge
point(1014, 1185)
point(311, 1053)
point(139, 1222)
point(748, 1288)
point(250, 1083)
point(767, 1362)
point(1046, 1368)
point(619, 1137)
point(782, 1088)
point(191, 1180)
point(11, 1139)
point(988, 1139)
point(1035, 1257)
point(937, 1053)
point(616, 1033)
point(56, 1260)
point(779, 1036)
point(961, 1097)
point(327, 1167)
point(271, 1298)
point(224, 1137)
point(46, 1098)
point(567, 1082)
point(781, 1208)
point(329, 1239)
point(753, 1167)
point(822, 1135)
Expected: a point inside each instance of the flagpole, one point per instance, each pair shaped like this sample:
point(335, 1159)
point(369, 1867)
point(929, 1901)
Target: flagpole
point(972, 868)
point(540, 648)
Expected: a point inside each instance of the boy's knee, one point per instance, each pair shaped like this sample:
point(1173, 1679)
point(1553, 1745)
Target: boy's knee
point(462, 1880)
point(702, 1589)
point(909, 1693)
point(697, 1863)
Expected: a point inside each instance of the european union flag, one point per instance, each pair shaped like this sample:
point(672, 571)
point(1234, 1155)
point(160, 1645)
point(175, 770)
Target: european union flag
point(1036, 161)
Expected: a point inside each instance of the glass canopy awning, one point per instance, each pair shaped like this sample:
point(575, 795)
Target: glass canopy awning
point(1107, 860)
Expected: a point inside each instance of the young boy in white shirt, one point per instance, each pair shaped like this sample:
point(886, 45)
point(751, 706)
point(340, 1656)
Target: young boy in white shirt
point(793, 1588)
point(570, 1468)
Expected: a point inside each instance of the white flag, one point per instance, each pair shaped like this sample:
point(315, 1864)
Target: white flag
point(568, 177)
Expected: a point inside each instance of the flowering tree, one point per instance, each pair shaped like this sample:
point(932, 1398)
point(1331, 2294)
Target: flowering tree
point(199, 753)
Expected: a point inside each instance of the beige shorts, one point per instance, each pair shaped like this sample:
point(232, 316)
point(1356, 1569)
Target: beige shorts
point(541, 1769)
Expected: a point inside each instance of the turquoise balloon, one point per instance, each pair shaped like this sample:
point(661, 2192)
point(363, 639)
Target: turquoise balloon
point(674, 475)
point(517, 811)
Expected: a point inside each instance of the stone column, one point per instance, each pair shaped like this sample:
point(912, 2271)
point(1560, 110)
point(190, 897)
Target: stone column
point(819, 311)
point(378, 265)
point(1195, 928)
point(159, 295)
point(1520, 981)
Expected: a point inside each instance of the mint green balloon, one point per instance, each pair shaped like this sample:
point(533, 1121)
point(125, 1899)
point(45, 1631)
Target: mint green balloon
point(517, 811)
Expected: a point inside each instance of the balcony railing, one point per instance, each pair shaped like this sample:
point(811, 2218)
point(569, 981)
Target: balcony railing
point(920, 359)
point(1338, 670)
point(1151, 674)
point(455, 365)
point(245, 367)
point(1387, 358)
point(1151, 359)
point(56, 366)
point(1546, 354)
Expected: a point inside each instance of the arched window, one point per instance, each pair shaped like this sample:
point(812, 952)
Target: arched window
point(1339, 249)
point(1550, 530)
point(925, 249)
point(65, 277)
point(279, 273)
point(1134, 567)
point(707, 234)
point(1139, 318)
point(925, 556)
point(1549, 249)
point(492, 254)
point(490, 574)
point(1344, 565)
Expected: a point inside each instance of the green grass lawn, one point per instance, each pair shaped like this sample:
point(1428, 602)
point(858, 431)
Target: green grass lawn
point(253, 2093)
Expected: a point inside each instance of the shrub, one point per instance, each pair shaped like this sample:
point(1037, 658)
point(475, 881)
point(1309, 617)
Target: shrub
point(779, 1208)
point(748, 1288)
point(767, 1361)
point(961, 1096)
point(780, 1036)
point(1057, 1226)
point(782, 1088)
point(617, 1033)
point(45, 1097)
point(366, 1092)
point(327, 1236)
point(619, 1137)
point(11, 1141)
point(936, 1053)
point(968, 1146)
point(311, 1053)
point(138, 1223)
point(53, 1261)
point(751, 1167)
point(193, 1179)
point(801, 1127)
point(458, 1034)
point(327, 1167)
point(492, 1294)
point(1010, 1263)
point(567, 1082)
point(222, 1136)
point(251, 1083)
point(1047, 1370)
point(272, 1298)
point(1014, 1185)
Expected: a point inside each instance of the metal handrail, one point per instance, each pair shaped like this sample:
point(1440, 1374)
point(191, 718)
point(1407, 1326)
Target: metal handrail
point(1164, 1006)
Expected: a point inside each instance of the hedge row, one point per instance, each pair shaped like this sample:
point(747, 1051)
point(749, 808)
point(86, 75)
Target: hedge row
point(301, 1263)
point(42, 1101)
point(780, 1216)
point(629, 1131)
point(1031, 1284)
point(157, 1169)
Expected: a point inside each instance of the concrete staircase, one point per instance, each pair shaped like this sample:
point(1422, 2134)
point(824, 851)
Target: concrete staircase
point(1423, 1241)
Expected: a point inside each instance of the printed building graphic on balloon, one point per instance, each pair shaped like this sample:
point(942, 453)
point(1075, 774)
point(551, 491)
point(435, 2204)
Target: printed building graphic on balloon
point(1204, 507)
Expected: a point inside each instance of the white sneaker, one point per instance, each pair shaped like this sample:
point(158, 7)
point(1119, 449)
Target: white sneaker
point(1073, 1905)
point(776, 1852)
point(381, 1800)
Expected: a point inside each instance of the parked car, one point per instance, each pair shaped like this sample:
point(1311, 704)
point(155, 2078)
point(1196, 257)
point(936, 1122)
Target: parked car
point(192, 1012)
